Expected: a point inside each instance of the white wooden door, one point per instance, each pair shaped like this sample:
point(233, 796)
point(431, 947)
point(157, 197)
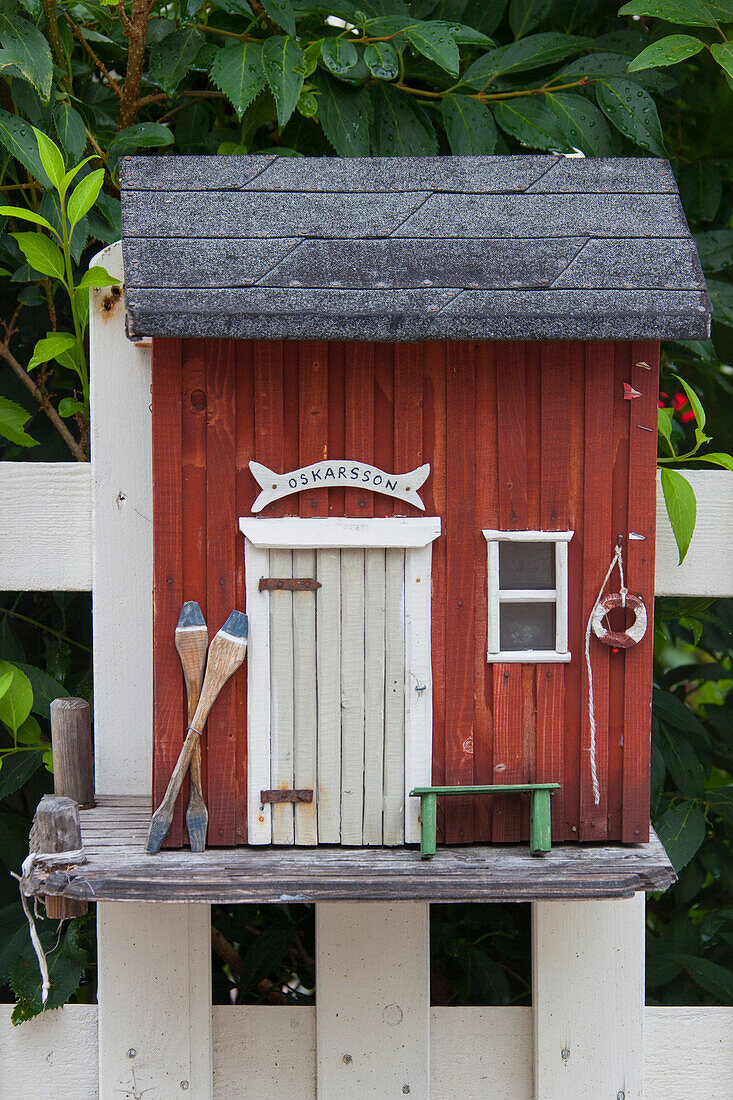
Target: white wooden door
point(337, 709)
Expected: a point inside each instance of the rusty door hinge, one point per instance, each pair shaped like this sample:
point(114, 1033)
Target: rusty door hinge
point(286, 796)
point(289, 584)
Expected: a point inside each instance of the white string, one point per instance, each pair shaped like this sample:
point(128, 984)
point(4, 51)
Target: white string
point(617, 558)
point(53, 858)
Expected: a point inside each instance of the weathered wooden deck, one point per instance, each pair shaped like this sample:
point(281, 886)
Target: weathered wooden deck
point(119, 869)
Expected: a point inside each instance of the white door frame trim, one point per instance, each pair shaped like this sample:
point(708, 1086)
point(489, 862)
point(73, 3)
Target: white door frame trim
point(416, 537)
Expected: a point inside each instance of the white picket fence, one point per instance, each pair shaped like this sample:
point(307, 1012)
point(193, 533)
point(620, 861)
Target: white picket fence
point(154, 1033)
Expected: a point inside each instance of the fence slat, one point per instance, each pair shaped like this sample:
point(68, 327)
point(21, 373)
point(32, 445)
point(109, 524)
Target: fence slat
point(373, 1013)
point(474, 1052)
point(588, 1031)
point(45, 531)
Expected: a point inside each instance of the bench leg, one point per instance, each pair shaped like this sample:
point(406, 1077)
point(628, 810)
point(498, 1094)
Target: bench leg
point(428, 824)
point(540, 823)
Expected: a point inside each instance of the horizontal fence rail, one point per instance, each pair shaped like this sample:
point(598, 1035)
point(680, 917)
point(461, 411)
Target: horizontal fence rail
point(475, 1053)
point(46, 524)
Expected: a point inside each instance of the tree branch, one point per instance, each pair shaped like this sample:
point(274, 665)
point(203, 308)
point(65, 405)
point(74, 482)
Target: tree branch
point(43, 403)
point(135, 28)
point(78, 35)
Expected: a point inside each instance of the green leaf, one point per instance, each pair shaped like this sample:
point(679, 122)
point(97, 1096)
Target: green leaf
point(97, 276)
point(338, 55)
point(715, 248)
point(41, 253)
point(281, 12)
point(173, 58)
point(237, 72)
point(143, 135)
point(525, 15)
point(69, 406)
point(667, 51)
point(469, 125)
point(52, 344)
point(312, 55)
point(16, 703)
point(695, 402)
point(690, 13)
point(25, 981)
point(51, 159)
point(70, 175)
point(12, 419)
point(720, 800)
point(721, 295)
point(531, 123)
point(345, 115)
point(27, 215)
point(84, 196)
point(710, 976)
point(681, 830)
point(70, 129)
point(5, 681)
point(533, 52)
point(683, 764)
point(283, 64)
point(17, 769)
point(30, 733)
point(716, 458)
point(632, 111)
point(468, 36)
point(26, 53)
point(45, 688)
point(679, 498)
point(665, 419)
point(382, 60)
point(434, 41)
point(17, 137)
point(723, 54)
point(583, 125)
point(401, 128)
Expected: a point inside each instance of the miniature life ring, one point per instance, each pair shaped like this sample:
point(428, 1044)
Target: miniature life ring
point(621, 639)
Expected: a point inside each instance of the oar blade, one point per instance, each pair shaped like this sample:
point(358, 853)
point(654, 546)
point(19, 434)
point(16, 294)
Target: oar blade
point(160, 823)
point(197, 823)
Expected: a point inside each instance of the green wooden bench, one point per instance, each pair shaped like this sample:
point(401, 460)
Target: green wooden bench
point(540, 826)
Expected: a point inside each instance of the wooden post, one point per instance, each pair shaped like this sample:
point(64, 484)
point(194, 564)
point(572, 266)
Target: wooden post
point(154, 969)
point(373, 1004)
point(71, 739)
point(588, 998)
point(56, 828)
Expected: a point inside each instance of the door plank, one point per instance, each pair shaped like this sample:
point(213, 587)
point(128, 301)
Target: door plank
point(305, 708)
point(328, 661)
point(281, 697)
point(374, 634)
point(394, 700)
point(352, 695)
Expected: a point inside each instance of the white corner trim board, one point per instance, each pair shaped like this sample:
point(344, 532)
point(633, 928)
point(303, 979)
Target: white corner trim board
point(292, 533)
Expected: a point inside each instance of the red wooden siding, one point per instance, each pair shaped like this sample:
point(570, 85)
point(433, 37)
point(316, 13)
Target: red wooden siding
point(518, 436)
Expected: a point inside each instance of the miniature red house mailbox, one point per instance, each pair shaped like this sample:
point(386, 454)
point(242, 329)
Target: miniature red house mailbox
point(405, 418)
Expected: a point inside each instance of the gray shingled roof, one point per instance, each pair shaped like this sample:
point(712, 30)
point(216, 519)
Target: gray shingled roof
point(408, 249)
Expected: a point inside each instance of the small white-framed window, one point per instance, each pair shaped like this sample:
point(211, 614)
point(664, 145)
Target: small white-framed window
point(528, 596)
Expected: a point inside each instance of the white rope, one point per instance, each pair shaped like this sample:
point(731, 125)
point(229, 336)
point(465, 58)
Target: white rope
point(60, 859)
point(617, 558)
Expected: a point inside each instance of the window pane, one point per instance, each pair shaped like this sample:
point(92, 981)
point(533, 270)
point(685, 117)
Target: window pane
point(526, 565)
point(527, 626)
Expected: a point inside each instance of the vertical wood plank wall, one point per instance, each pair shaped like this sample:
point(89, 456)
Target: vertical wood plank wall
point(519, 436)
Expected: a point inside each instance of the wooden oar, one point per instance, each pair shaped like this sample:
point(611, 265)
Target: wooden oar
point(226, 654)
point(192, 642)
